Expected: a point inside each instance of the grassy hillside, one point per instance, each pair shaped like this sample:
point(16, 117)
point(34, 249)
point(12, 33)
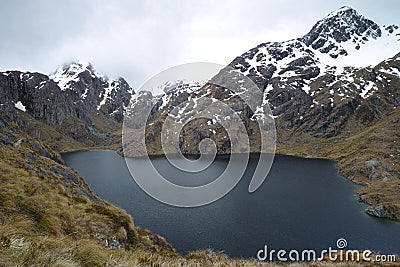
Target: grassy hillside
point(50, 217)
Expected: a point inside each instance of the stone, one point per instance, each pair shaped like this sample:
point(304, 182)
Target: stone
point(373, 176)
point(68, 175)
point(372, 163)
point(5, 139)
point(379, 211)
point(30, 158)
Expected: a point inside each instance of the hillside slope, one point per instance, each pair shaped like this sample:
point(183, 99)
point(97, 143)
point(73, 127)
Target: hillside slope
point(325, 98)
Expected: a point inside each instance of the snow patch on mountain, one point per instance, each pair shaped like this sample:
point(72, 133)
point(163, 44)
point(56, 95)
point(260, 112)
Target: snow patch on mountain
point(69, 73)
point(20, 106)
point(371, 52)
point(105, 94)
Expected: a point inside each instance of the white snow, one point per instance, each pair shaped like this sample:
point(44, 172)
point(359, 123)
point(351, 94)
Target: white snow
point(306, 88)
point(371, 52)
point(391, 71)
point(160, 88)
point(367, 90)
point(63, 80)
point(84, 95)
point(68, 74)
point(107, 92)
point(25, 77)
point(20, 106)
point(40, 85)
point(165, 100)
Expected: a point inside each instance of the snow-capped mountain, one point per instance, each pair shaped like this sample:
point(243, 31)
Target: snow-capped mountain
point(69, 74)
point(314, 84)
point(331, 65)
point(346, 38)
point(75, 100)
point(73, 91)
point(94, 88)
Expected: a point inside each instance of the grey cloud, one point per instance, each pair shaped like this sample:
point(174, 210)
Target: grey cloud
point(137, 39)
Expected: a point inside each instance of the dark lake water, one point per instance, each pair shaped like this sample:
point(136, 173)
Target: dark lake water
point(303, 204)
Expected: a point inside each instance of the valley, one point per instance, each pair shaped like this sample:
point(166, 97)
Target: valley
point(324, 94)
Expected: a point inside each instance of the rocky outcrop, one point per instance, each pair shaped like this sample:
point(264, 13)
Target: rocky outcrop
point(375, 170)
point(342, 25)
point(379, 211)
point(74, 100)
point(95, 90)
point(41, 96)
point(74, 90)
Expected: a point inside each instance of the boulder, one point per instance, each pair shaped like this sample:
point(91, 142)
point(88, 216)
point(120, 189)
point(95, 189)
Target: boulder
point(379, 211)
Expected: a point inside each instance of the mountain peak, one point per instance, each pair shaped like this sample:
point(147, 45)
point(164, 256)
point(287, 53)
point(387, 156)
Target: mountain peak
point(70, 72)
point(79, 63)
point(341, 11)
point(76, 67)
point(342, 40)
point(345, 32)
point(339, 26)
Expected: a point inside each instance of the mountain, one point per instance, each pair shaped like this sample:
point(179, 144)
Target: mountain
point(305, 82)
point(332, 92)
point(346, 38)
point(75, 100)
point(94, 89)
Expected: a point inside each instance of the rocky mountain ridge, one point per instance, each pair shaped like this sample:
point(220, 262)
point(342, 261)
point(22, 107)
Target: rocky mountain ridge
point(76, 86)
point(303, 82)
point(75, 93)
point(94, 89)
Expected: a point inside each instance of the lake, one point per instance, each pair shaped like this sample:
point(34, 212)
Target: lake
point(303, 204)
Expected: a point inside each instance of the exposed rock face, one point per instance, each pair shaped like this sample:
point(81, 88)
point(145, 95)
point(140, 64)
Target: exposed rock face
point(41, 96)
point(307, 85)
point(140, 103)
point(95, 90)
point(379, 211)
point(339, 27)
point(74, 92)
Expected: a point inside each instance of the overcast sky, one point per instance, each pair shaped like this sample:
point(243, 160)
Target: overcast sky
point(138, 39)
